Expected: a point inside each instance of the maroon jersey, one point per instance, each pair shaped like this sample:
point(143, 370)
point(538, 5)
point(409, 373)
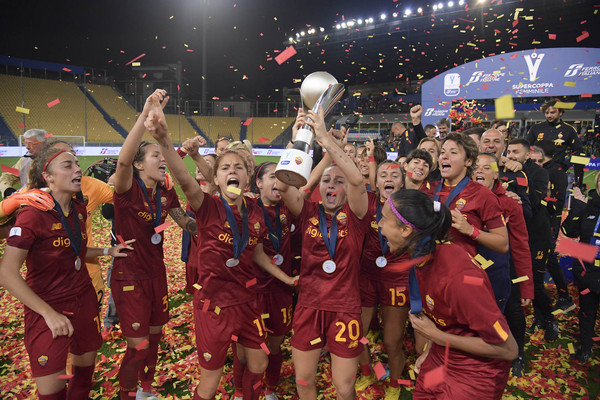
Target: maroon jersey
point(50, 259)
point(265, 280)
point(428, 187)
point(465, 307)
point(226, 286)
point(518, 239)
point(372, 250)
point(481, 208)
point(134, 220)
point(337, 291)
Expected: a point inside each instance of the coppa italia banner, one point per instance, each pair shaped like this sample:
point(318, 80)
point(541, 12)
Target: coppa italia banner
point(530, 73)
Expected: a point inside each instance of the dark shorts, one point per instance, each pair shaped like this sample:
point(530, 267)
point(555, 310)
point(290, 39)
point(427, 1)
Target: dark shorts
point(390, 294)
point(278, 305)
point(48, 356)
point(214, 331)
point(341, 331)
point(141, 304)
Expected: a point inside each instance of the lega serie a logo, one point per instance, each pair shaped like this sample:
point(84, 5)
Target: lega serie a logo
point(533, 62)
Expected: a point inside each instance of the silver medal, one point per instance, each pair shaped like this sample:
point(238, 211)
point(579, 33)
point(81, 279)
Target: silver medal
point(329, 266)
point(381, 261)
point(278, 259)
point(156, 238)
point(77, 264)
point(232, 262)
point(292, 228)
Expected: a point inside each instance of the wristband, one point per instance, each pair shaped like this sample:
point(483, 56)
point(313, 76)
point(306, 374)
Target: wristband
point(181, 153)
point(371, 159)
point(475, 234)
point(105, 252)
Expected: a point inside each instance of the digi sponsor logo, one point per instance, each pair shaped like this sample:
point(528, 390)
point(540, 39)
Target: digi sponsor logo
point(581, 70)
point(315, 232)
point(62, 241)
point(227, 238)
point(451, 84)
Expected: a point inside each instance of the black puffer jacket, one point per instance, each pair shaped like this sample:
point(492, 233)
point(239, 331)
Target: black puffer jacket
point(581, 223)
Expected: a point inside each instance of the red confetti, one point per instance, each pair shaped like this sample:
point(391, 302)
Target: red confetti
point(120, 239)
point(263, 139)
point(379, 370)
point(257, 384)
point(552, 36)
point(550, 199)
point(251, 282)
point(67, 313)
point(162, 227)
point(409, 174)
point(142, 344)
point(247, 122)
point(23, 126)
point(584, 292)
point(66, 69)
point(263, 346)
point(522, 181)
point(403, 266)
point(53, 103)
point(47, 135)
point(584, 35)
point(364, 340)
point(434, 377)
point(234, 338)
point(472, 280)
point(137, 58)
point(285, 55)
point(334, 193)
point(583, 251)
point(10, 170)
point(405, 382)
point(206, 305)
point(584, 95)
point(66, 376)
point(301, 382)
point(596, 339)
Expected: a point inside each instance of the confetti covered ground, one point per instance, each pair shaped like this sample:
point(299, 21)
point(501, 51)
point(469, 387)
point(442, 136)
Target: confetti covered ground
point(550, 374)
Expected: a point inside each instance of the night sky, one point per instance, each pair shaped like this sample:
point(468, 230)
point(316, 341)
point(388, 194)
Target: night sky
point(244, 35)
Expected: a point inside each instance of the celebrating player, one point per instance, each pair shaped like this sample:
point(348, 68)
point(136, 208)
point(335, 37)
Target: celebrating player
point(452, 304)
point(328, 307)
point(61, 309)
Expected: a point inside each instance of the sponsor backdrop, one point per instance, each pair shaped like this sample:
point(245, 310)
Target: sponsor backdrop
point(558, 71)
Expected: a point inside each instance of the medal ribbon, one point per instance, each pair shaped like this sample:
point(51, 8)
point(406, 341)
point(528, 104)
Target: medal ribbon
point(155, 218)
point(382, 240)
point(330, 238)
point(75, 238)
point(453, 193)
point(274, 234)
point(239, 243)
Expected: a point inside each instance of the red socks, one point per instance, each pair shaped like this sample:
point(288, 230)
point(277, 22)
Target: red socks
point(365, 369)
point(273, 371)
point(252, 385)
point(62, 395)
point(128, 371)
point(81, 383)
point(238, 372)
point(148, 367)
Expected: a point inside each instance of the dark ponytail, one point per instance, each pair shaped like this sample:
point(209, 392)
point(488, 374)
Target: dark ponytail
point(419, 210)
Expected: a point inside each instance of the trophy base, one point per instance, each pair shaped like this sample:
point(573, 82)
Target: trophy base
point(294, 168)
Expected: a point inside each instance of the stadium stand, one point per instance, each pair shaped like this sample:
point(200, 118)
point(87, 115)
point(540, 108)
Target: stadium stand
point(214, 127)
point(265, 130)
point(67, 118)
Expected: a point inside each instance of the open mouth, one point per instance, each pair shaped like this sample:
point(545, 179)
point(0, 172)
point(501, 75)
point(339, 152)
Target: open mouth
point(77, 181)
point(233, 182)
point(331, 197)
point(162, 168)
point(479, 179)
point(276, 192)
point(444, 167)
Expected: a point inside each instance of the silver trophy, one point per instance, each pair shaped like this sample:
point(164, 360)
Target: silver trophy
point(318, 89)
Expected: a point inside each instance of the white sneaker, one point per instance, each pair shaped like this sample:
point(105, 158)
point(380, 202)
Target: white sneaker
point(238, 398)
point(140, 394)
point(271, 396)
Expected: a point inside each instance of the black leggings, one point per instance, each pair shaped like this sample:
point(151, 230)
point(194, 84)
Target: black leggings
point(588, 308)
point(542, 301)
point(515, 316)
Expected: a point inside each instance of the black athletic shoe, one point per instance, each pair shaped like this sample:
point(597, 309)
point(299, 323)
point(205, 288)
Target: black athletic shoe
point(537, 324)
point(565, 304)
point(518, 367)
point(582, 355)
point(551, 328)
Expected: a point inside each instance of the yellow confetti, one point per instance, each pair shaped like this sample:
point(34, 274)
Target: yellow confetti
point(127, 288)
point(22, 110)
point(520, 279)
point(217, 310)
point(597, 263)
point(265, 316)
point(566, 106)
point(196, 286)
point(504, 107)
point(234, 190)
point(500, 330)
point(483, 261)
point(557, 311)
point(580, 160)
point(411, 373)
point(569, 84)
point(136, 64)
point(571, 349)
point(315, 341)
point(494, 166)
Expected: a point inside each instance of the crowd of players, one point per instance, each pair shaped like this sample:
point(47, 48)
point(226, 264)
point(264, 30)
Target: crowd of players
point(454, 236)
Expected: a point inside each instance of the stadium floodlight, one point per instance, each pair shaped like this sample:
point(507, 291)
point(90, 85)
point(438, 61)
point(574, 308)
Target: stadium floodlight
point(435, 7)
point(370, 20)
point(383, 16)
point(440, 5)
point(450, 4)
point(297, 35)
point(461, 2)
point(291, 39)
point(338, 26)
point(394, 14)
point(302, 33)
point(350, 23)
point(407, 12)
point(322, 29)
point(343, 25)
point(419, 10)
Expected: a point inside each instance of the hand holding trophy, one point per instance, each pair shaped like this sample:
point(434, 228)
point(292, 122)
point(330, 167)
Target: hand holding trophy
point(318, 89)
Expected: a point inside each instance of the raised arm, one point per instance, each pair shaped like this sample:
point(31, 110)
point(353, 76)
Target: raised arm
point(357, 194)
point(315, 176)
point(124, 173)
point(370, 145)
point(191, 146)
point(157, 126)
